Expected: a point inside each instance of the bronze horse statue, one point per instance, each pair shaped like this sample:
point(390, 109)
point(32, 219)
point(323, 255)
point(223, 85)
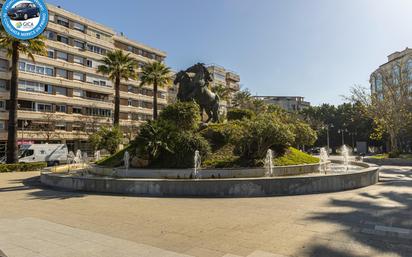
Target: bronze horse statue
point(194, 86)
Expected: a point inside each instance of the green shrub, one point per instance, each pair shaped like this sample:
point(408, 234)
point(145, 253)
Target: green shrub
point(182, 149)
point(293, 156)
point(261, 133)
point(107, 138)
point(394, 154)
point(184, 115)
point(114, 160)
point(22, 167)
point(239, 114)
point(221, 134)
point(304, 134)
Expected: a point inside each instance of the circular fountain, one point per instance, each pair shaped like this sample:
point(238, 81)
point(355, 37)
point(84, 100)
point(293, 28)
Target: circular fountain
point(270, 180)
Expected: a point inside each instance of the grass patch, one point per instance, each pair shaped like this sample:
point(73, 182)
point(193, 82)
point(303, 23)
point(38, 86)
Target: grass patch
point(114, 160)
point(294, 157)
point(22, 167)
point(222, 158)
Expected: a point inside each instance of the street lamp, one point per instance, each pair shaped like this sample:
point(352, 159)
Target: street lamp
point(327, 127)
point(342, 131)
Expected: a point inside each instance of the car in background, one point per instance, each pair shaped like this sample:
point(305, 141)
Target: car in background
point(24, 11)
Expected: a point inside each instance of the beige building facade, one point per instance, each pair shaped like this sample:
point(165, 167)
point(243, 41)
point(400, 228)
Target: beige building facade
point(288, 103)
point(62, 99)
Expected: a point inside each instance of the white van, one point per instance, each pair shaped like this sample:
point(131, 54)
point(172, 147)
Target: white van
point(53, 154)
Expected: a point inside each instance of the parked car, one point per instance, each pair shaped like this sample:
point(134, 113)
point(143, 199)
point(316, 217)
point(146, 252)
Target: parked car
point(24, 11)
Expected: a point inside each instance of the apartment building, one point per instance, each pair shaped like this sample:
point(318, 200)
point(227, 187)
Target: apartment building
point(398, 69)
point(288, 103)
point(226, 78)
point(62, 99)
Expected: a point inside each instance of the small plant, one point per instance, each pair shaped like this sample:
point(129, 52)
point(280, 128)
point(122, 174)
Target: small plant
point(107, 138)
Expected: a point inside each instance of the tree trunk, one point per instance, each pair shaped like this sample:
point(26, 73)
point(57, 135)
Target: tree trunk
point(394, 141)
point(116, 117)
point(12, 149)
point(155, 100)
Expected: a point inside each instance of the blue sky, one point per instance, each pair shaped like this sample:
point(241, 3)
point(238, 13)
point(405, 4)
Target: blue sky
point(314, 48)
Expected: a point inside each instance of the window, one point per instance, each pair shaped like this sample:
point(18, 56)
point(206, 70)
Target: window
point(61, 108)
point(63, 21)
point(78, 26)
point(62, 56)
point(78, 76)
point(2, 125)
point(3, 84)
point(60, 126)
point(77, 92)
point(129, 116)
point(49, 34)
point(77, 110)
point(102, 83)
point(130, 89)
point(78, 59)
point(30, 68)
point(130, 102)
point(96, 49)
point(79, 44)
point(39, 70)
point(2, 105)
point(60, 91)
point(61, 73)
point(62, 39)
point(51, 17)
point(89, 63)
point(49, 71)
point(44, 107)
point(130, 48)
point(4, 65)
point(50, 53)
point(22, 66)
point(396, 74)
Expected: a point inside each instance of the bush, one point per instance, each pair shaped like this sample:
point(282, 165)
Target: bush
point(183, 115)
point(304, 134)
point(22, 167)
point(222, 134)
point(107, 138)
point(394, 154)
point(262, 133)
point(294, 157)
point(114, 160)
point(182, 149)
point(239, 114)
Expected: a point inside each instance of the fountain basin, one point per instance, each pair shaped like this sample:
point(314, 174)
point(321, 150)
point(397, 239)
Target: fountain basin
point(223, 187)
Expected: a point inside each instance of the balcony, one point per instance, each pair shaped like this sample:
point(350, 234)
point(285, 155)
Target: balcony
point(232, 76)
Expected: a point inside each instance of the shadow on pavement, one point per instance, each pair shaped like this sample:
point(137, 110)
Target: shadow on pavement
point(380, 221)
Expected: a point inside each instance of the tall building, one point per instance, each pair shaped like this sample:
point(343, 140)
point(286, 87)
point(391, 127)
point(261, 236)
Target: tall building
point(398, 64)
point(288, 103)
point(62, 98)
point(227, 79)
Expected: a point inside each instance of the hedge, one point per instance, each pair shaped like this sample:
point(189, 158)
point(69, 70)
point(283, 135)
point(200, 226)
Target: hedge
point(22, 167)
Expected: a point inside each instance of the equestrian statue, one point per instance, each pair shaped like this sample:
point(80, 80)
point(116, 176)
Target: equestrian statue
point(193, 85)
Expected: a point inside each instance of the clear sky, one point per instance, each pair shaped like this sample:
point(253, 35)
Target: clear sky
point(314, 48)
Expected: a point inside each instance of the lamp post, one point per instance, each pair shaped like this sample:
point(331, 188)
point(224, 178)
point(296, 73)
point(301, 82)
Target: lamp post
point(342, 131)
point(327, 127)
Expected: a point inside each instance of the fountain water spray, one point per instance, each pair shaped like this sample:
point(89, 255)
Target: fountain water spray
point(324, 158)
point(345, 156)
point(126, 159)
point(197, 164)
point(78, 157)
point(269, 163)
point(97, 156)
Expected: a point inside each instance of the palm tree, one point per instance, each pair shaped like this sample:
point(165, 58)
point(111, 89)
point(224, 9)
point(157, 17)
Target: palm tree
point(158, 75)
point(118, 65)
point(242, 99)
point(222, 91)
point(14, 48)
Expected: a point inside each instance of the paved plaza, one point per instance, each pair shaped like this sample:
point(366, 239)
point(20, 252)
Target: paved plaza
point(373, 221)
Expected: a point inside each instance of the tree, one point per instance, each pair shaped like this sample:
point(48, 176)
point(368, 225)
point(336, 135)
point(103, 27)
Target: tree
point(222, 91)
point(158, 75)
point(242, 99)
point(14, 48)
point(107, 138)
point(118, 65)
point(389, 104)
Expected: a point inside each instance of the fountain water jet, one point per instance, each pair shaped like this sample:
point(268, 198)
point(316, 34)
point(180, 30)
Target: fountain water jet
point(323, 160)
point(345, 156)
point(269, 163)
point(197, 164)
